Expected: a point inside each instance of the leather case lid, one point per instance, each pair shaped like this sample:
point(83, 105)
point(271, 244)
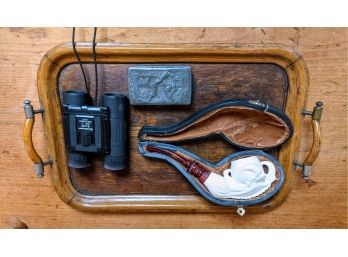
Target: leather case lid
point(245, 124)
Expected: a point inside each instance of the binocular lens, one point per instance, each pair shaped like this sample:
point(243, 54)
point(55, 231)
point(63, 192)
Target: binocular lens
point(78, 160)
point(76, 98)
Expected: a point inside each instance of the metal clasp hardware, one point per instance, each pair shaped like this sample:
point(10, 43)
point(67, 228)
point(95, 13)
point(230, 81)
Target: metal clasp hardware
point(29, 110)
point(317, 111)
point(241, 211)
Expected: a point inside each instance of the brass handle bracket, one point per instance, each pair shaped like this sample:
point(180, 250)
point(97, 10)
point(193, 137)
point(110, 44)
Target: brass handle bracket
point(317, 139)
point(29, 113)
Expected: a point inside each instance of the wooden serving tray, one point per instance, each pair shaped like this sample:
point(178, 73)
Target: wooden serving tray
point(272, 74)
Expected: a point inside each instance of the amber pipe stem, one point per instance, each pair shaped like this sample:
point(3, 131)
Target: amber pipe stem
point(192, 167)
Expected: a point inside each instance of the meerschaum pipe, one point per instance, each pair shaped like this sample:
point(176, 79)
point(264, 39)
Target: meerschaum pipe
point(245, 179)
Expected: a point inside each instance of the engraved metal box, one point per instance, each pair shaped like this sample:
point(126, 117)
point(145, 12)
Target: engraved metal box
point(160, 84)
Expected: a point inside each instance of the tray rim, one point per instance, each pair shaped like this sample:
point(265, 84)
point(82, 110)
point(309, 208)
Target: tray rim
point(57, 58)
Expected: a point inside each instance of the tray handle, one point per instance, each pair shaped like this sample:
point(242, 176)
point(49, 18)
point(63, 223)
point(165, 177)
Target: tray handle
point(317, 139)
point(28, 139)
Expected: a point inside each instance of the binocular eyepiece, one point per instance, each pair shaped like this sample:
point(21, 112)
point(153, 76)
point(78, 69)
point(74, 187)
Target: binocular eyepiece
point(95, 129)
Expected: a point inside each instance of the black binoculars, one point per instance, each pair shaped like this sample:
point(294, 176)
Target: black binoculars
point(95, 129)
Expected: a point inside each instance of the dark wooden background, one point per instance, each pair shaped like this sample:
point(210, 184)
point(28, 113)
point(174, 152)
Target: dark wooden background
point(28, 201)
